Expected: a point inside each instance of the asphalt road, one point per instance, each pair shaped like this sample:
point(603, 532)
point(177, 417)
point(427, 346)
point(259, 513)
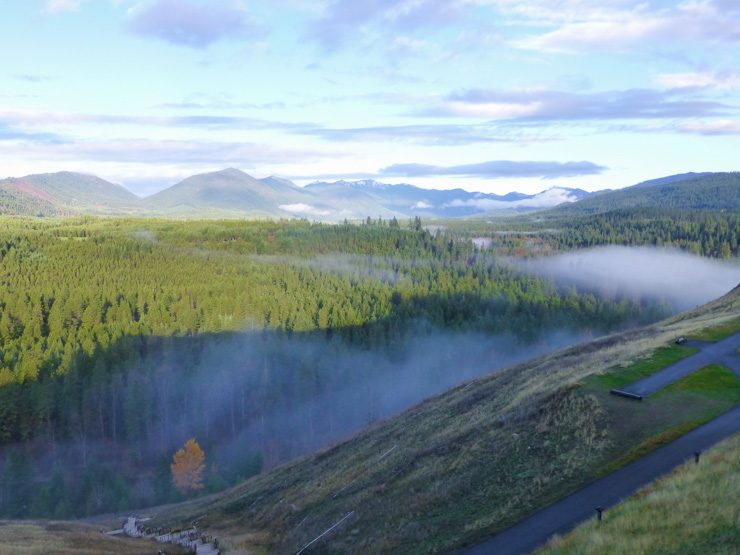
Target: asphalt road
point(562, 516)
point(723, 352)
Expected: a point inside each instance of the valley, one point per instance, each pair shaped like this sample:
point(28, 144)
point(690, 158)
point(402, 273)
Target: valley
point(435, 388)
point(397, 277)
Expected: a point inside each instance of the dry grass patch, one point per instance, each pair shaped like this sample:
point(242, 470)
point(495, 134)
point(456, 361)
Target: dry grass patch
point(693, 510)
point(68, 538)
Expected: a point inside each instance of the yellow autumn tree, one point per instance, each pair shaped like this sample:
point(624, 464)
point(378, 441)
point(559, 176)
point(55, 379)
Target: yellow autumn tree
point(187, 467)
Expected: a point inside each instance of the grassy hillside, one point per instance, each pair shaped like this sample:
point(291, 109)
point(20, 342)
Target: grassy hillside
point(470, 462)
point(716, 191)
point(689, 511)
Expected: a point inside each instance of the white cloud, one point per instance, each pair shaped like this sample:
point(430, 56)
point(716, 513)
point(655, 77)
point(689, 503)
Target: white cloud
point(620, 25)
point(421, 205)
point(58, 6)
point(493, 109)
point(719, 127)
point(302, 208)
point(699, 80)
point(601, 34)
point(551, 197)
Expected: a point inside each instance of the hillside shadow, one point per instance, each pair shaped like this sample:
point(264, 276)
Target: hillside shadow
point(103, 434)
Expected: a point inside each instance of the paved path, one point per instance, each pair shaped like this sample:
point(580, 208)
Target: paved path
point(723, 352)
point(562, 516)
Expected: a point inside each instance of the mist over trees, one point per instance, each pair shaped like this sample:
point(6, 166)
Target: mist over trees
point(120, 340)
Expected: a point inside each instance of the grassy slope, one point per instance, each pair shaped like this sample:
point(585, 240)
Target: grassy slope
point(64, 538)
point(689, 511)
point(472, 461)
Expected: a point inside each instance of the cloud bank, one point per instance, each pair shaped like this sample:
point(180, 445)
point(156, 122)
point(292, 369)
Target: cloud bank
point(686, 280)
point(497, 169)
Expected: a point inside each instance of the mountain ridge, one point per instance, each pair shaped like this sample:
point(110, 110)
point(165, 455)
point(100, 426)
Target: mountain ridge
point(233, 193)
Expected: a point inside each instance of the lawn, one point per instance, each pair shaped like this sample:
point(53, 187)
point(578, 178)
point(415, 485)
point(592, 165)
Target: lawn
point(662, 357)
point(679, 408)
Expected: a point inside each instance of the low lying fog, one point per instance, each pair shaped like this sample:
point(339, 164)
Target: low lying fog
point(289, 395)
point(684, 279)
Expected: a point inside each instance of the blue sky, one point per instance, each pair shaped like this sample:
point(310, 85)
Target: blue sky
point(489, 95)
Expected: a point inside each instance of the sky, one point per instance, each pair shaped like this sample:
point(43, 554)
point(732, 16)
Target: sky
point(486, 95)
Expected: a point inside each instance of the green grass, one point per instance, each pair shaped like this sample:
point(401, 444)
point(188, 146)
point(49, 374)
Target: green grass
point(662, 357)
point(693, 510)
point(717, 333)
point(713, 381)
point(700, 396)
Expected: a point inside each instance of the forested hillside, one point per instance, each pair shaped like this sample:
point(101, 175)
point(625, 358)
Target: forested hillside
point(17, 203)
point(715, 191)
point(714, 234)
point(92, 386)
point(68, 193)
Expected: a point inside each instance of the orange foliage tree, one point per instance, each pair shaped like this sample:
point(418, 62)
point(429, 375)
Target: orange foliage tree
point(187, 467)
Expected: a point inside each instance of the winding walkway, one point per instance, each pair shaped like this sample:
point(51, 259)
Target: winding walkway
point(564, 515)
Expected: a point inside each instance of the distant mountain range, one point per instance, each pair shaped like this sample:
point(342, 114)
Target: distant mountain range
point(231, 193)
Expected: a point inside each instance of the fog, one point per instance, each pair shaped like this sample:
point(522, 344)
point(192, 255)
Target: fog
point(254, 400)
point(284, 396)
point(683, 279)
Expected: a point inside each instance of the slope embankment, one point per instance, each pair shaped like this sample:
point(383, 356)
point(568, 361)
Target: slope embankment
point(476, 460)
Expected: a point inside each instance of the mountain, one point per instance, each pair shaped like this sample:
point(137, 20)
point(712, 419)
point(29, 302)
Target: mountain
point(68, 193)
point(410, 201)
point(230, 191)
point(233, 193)
point(714, 191)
